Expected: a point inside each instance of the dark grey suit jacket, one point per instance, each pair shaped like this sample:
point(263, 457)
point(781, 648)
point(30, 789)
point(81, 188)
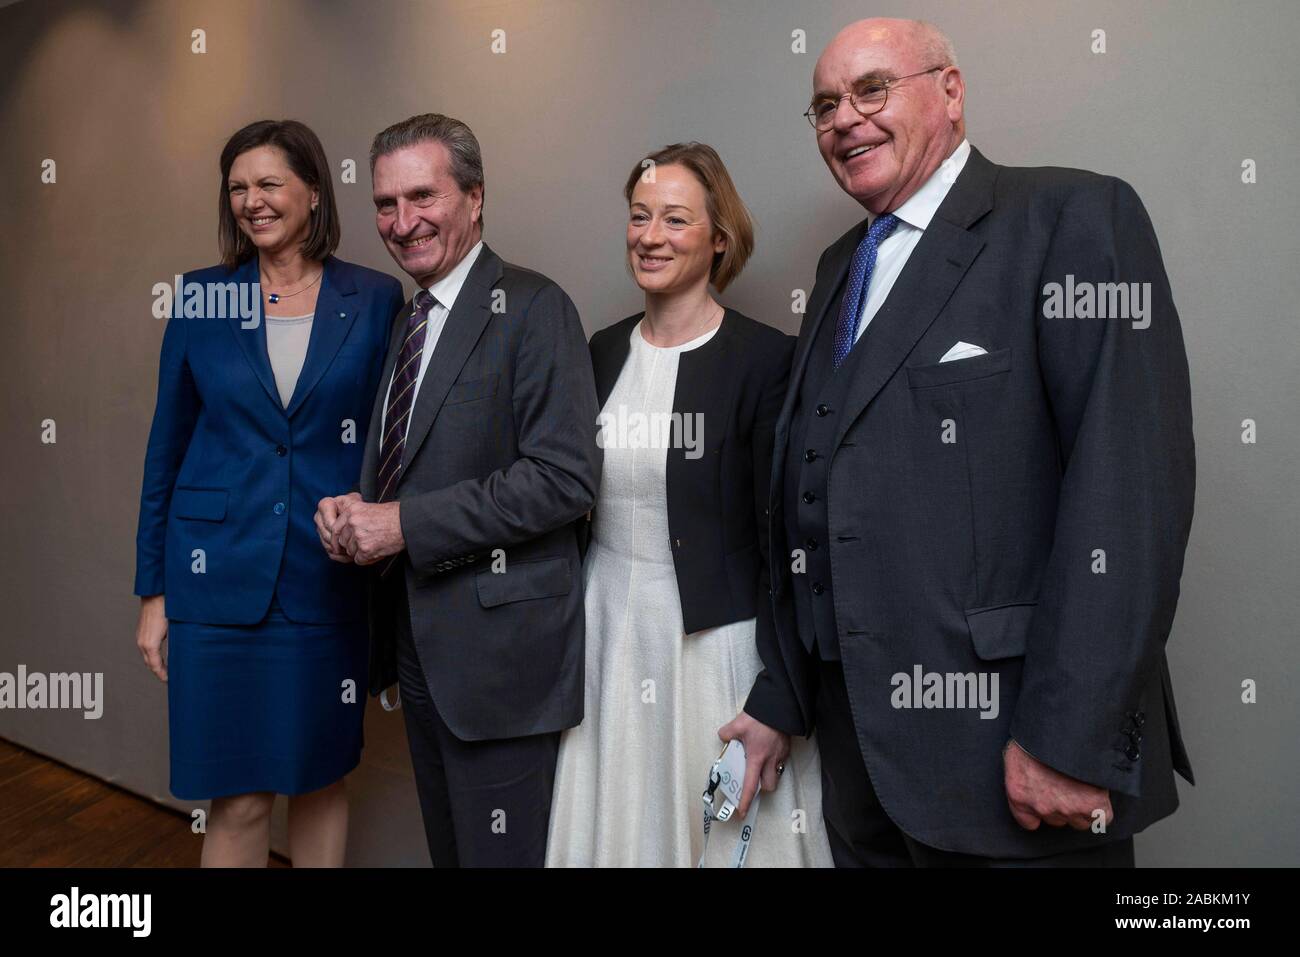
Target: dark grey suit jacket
point(979, 555)
point(501, 454)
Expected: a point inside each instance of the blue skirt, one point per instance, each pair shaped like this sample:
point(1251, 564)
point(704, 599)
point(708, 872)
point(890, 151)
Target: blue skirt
point(275, 706)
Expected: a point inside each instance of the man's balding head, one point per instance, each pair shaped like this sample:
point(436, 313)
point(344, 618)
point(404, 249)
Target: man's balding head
point(921, 124)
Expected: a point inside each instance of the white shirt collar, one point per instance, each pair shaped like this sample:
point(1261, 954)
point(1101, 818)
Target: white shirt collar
point(446, 289)
point(921, 205)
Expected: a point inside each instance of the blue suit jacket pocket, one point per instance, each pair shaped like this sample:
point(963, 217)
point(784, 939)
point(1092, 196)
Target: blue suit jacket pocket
point(473, 389)
point(537, 578)
point(959, 370)
point(1000, 631)
point(204, 504)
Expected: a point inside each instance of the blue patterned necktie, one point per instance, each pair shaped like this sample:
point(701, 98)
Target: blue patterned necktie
point(401, 396)
point(863, 265)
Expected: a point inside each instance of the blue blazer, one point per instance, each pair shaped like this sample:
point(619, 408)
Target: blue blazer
point(232, 477)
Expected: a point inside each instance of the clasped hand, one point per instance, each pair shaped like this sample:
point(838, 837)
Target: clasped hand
point(352, 530)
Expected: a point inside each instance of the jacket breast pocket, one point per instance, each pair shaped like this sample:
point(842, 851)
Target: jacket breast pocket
point(960, 370)
point(535, 578)
point(1000, 631)
point(201, 504)
point(472, 389)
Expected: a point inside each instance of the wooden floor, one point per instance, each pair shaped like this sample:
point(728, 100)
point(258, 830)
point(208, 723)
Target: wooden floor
point(54, 816)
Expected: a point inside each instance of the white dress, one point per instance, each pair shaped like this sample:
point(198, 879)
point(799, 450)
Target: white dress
point(629, 777)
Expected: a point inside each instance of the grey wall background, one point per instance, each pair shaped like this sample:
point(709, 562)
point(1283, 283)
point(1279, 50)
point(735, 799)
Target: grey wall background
point(110, 90)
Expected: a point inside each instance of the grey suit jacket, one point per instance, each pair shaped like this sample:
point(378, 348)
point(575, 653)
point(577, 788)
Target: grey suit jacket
point(970, 503)
point(500, 463)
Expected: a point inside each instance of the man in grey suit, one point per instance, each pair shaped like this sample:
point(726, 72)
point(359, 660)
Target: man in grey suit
point(982, 492)
point(481, 458)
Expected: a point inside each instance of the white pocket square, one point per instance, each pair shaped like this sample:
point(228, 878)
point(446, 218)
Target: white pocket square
point(963, 350)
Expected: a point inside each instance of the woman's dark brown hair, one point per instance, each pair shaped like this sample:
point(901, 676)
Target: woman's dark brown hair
point(306, 157)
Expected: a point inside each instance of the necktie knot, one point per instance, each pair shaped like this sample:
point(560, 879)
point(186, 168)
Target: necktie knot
point(881, 228)
point(423, 303)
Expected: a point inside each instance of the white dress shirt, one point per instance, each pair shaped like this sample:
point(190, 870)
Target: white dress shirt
point(913, 218)
point(444, 293)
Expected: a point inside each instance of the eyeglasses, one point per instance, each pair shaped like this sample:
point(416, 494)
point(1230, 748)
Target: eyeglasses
point(868, 96)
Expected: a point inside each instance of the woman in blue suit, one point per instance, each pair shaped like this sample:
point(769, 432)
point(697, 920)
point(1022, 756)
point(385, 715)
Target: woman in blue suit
point(269, 368)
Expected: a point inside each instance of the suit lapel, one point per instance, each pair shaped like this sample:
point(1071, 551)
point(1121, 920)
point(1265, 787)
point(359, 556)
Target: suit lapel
point(823, 295)
point(821, 304)
point(370, 459)
point(937, 264)
point(334, 319)
point(252, 342)
point(468, 318)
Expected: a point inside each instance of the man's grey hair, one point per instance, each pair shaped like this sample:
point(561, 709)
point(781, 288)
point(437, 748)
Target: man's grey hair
point(460, 141)
point(936, 48)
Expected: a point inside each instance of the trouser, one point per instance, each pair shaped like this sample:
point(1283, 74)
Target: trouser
point(863, 835)
point(484, 803)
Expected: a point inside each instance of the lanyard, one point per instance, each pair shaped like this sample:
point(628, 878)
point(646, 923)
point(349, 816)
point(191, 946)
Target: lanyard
point(746, 829)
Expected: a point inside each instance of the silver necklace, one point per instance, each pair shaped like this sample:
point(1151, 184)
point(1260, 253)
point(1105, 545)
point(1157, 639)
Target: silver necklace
point(274, 297)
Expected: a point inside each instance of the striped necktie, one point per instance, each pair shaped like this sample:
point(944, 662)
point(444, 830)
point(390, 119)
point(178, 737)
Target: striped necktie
point(864, 264)
point(401, 397)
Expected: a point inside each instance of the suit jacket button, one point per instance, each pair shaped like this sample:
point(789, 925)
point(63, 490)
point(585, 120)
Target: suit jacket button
point(1132, 753)
point(280, 450)
point(823, 410)
point(809, 498)
point(810, 455)
point(818, 588)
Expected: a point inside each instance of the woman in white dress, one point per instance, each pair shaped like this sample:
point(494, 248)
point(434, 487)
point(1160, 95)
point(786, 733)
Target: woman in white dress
point(675, 573)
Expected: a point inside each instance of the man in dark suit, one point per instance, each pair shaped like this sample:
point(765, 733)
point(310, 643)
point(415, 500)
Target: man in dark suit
point(981, 494)
point(481, 457)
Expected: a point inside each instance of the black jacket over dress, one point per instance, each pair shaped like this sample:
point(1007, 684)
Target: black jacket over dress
point(717, 503)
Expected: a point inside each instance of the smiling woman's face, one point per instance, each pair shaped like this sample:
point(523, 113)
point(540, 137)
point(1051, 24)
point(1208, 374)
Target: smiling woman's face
point(270, 203)
point(670, 240)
